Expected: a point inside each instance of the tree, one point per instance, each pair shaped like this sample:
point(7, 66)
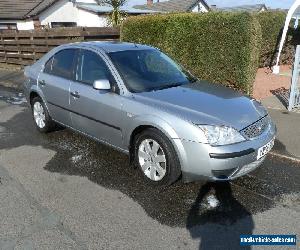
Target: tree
point(117, 16)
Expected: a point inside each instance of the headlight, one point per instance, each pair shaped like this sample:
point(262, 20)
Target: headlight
point(219, 135)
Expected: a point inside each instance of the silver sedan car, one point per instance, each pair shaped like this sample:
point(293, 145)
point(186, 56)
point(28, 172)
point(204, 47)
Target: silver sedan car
point(139, 101)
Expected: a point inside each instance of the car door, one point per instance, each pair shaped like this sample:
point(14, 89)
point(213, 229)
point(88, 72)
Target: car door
point(95, 112)
point(55, 80)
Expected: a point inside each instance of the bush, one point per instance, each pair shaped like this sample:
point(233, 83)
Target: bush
point(272, 24)
point(219, 47)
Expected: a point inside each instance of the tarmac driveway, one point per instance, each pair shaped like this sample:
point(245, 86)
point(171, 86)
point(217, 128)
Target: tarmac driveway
point(64, 191)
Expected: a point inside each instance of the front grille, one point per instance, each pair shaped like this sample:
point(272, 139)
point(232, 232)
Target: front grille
point(257, 128)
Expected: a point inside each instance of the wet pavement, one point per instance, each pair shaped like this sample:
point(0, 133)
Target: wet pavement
point(188, 216)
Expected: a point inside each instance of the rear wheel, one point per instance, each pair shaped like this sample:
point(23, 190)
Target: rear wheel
point(41, 117)
point(156, 158)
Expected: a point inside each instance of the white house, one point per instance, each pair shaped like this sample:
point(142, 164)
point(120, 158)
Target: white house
point(57, 13)
point(69, 14)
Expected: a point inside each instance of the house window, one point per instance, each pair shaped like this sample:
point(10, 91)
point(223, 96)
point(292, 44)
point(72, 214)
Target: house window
point(8, 26)
point(63, 24)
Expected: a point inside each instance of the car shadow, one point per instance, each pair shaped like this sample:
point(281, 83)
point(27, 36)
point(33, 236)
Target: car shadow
point(176, 205)
point(223, 221)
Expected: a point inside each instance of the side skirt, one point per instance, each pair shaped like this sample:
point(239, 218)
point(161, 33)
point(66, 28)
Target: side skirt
point(124, 151)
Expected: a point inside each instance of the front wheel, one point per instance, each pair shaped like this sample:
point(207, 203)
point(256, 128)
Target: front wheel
point(156, 158)
point(41, 117)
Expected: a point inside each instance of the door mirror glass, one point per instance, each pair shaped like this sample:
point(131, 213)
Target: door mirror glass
point(102, 84)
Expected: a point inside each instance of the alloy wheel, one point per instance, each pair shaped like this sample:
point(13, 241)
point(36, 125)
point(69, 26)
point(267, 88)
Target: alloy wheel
point(152, 159)
point(39, 115)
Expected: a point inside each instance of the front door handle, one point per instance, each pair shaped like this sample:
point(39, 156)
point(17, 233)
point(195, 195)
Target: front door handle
point(75, 94)
point(42, 82)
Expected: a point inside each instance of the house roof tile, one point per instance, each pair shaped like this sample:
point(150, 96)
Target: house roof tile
point(21, 9)
point(172, 5)
point(248, 8)
point(107, 9)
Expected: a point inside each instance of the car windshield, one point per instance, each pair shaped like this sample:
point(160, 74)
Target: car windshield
point(149, 70)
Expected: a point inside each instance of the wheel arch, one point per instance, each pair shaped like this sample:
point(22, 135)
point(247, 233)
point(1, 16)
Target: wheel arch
point(137, 131)
point(147, 123)
point(35, 92)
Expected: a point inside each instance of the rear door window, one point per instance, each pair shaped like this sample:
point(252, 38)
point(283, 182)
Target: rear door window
point(63, 63)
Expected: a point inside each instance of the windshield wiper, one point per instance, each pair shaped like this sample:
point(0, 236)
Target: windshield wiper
point(167, 86)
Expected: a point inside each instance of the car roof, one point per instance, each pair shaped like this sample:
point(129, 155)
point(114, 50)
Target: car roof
point(109, 46)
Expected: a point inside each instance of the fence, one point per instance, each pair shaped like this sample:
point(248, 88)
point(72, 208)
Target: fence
point(25, 47)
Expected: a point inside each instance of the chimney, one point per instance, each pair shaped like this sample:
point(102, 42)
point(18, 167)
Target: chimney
point(149, 2)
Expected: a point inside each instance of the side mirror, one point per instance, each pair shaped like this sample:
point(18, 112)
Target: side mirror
point(102, 84)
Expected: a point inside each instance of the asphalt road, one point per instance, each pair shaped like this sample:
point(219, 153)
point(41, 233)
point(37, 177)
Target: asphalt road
point(64, 191)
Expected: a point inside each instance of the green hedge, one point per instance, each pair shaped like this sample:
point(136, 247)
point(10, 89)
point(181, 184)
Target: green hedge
point(272, 24)
point(219, 47)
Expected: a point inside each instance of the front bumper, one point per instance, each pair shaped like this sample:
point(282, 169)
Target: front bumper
point(222, 163)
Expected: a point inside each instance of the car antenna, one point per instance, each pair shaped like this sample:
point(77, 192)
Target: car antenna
point(135, 45)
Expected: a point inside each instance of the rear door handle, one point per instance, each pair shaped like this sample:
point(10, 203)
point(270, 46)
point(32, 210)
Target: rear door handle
point(75, 94)
point(42, 82)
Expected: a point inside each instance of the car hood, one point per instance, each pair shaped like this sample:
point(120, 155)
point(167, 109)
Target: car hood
point(206, 103)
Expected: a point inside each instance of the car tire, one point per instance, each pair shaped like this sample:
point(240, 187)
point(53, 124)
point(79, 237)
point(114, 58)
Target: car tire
point(156, 157)
point(41, 117)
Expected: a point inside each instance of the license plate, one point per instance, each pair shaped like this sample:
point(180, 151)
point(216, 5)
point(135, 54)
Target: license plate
point(265, 149)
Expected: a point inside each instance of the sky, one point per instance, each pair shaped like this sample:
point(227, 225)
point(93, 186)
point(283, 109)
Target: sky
point(285, 4)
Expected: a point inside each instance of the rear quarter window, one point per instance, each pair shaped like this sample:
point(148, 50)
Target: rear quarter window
point(48, 66)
